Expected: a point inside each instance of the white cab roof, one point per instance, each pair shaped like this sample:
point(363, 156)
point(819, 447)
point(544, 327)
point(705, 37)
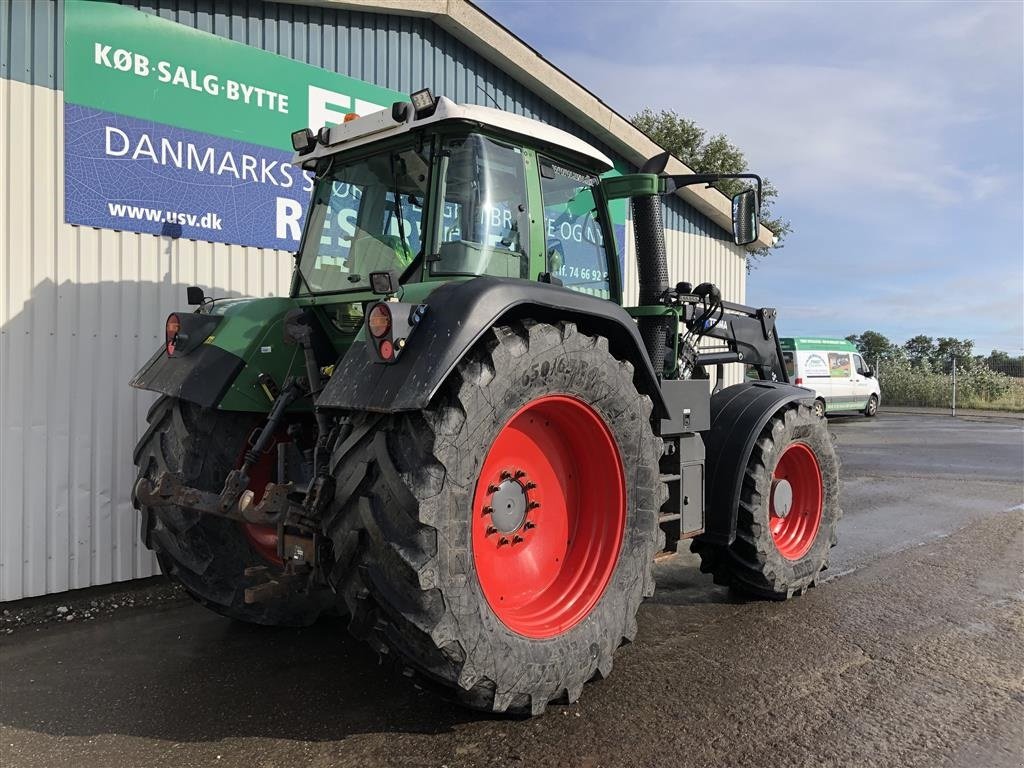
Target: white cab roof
point(381, 125)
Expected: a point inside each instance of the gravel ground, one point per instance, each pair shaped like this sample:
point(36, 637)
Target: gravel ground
point(909, 654)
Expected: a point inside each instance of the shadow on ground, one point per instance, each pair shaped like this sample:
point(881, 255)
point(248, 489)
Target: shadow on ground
point(179, 673)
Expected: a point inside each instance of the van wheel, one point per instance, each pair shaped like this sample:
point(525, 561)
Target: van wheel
point(871, 409)
point(819, 408)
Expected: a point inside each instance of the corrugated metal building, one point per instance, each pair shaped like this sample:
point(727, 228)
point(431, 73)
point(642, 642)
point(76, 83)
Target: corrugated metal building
point(82, 308)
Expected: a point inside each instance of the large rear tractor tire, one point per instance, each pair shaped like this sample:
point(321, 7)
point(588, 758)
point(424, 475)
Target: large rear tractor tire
point(208, 555)
point(500, 541)
point(788, 511)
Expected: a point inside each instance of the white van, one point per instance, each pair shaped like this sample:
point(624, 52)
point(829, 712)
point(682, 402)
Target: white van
point(841, 380)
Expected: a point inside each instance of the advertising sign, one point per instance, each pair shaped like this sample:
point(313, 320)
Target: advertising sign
point(173, 131)
point(816, 365)
point(177, 132)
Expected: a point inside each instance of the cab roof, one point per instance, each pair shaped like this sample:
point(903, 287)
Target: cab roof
point(377, 126)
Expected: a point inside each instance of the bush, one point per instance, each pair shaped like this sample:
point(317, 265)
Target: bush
point(976, 387)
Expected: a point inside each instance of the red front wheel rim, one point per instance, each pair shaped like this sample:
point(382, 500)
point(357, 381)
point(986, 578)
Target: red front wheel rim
point(549, 513)
point(796, 501)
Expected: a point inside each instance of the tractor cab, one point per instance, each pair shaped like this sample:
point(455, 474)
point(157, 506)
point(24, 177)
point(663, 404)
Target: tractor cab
point(449, 192)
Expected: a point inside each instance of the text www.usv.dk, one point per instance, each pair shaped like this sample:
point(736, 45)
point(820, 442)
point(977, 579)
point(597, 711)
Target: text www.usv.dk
point(206, 220)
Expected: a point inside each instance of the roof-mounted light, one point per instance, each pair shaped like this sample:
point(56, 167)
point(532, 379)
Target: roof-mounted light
point(423, 103)
point(350, 117)
point(303, 141)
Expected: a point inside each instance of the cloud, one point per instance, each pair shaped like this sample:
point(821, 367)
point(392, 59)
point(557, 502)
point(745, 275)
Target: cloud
point(894, 132)
point(821, 130)
point(828, 100)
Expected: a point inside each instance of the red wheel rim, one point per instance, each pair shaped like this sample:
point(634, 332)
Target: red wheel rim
point(796, 501)
point(549, 512)
point(262, 538)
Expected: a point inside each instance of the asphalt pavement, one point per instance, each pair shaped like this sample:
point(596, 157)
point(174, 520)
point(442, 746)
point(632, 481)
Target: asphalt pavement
point(909, 654)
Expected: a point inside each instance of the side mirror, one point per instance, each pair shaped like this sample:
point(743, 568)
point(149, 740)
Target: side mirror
point(869, 371)
point(195, 295)
point(746, 220)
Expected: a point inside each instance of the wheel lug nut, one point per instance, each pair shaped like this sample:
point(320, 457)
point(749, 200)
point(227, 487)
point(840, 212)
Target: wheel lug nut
point(529, 525)
point(520, 473)
point(488, 510)
point(530, 486)
point(517, 539)
point(492, 489)
point(534, 504)
point(505, 474)
point(502, 541)
point(491, 530)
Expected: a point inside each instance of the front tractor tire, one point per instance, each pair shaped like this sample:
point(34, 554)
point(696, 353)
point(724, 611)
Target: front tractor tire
point(788, 511)
point(500, 541)
point(208, 555)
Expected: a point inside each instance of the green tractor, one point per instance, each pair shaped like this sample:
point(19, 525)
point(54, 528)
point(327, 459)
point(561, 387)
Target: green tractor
point(452, 432)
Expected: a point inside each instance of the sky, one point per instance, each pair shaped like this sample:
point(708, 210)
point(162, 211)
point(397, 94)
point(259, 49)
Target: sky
point(894, 132)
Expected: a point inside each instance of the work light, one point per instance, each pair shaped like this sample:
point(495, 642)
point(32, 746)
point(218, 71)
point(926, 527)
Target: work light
point(424, 103)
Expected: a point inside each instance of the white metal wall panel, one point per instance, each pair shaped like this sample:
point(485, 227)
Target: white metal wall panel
point(80, 310)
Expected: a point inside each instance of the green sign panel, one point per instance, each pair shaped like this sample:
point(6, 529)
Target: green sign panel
point(132, 63)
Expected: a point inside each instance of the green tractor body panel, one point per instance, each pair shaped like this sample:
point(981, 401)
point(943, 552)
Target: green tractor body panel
point(245, 341)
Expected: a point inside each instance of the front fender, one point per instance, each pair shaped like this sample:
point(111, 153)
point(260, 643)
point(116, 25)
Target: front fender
point(738, 414)
point(458, 315)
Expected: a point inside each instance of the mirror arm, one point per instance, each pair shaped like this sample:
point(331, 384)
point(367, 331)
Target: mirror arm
point(672, 183)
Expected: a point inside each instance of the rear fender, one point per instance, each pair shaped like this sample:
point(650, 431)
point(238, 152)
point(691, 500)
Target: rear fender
point(240, 339)
point(458, 314)
point(738, 414)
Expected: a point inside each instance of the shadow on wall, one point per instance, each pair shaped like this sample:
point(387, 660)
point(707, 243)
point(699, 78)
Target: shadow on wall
point(68, 425)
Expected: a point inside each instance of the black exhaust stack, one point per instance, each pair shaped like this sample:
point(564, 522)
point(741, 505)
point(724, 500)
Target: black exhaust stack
point(652, 264)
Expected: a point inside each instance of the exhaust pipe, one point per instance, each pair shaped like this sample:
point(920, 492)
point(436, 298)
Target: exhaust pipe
point(652, 264)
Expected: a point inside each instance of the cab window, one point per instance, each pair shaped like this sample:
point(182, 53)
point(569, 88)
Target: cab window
point(366, 216)
point(858, 364)
point(484, 229)
point(787, 357)
point(575, 247)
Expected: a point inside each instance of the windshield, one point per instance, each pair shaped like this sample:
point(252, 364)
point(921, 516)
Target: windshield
point(365, 217)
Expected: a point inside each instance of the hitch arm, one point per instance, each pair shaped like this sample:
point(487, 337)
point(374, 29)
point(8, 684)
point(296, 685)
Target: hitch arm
point(169, 491)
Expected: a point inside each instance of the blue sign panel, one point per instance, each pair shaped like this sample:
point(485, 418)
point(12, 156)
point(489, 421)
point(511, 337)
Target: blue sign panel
point(131, 174)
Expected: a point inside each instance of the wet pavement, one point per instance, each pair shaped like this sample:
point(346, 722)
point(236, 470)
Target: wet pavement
point(910, 654)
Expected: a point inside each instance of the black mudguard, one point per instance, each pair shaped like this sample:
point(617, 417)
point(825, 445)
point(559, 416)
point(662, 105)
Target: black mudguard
point(458, 314)
point(738, 414)
point(202, 376)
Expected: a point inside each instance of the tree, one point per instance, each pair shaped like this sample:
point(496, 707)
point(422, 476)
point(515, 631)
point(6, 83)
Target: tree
point(919, 349)
point(715, 154)
point(1004, 362)
point(948, 348)
point(872, 346)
